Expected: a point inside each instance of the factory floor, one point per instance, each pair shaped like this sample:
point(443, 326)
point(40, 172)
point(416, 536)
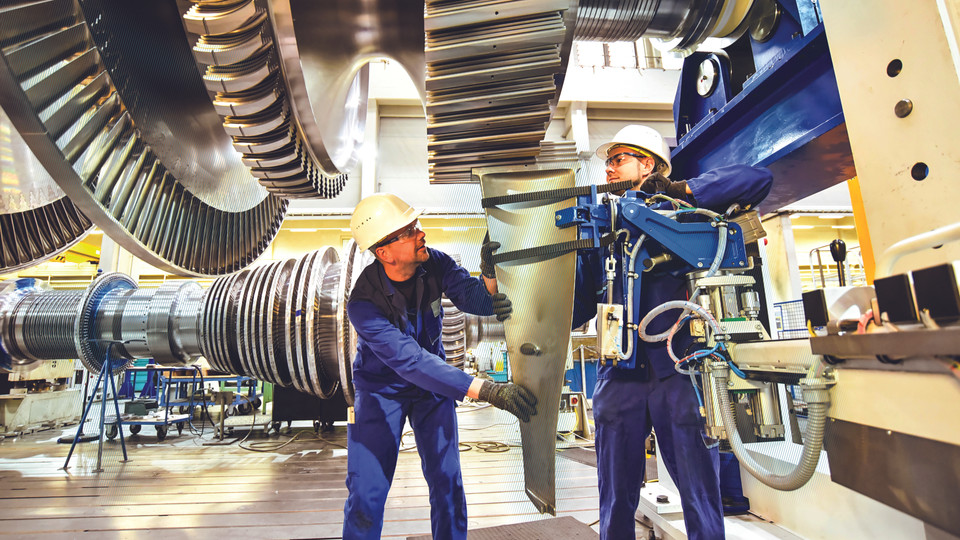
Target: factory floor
point(192, 486)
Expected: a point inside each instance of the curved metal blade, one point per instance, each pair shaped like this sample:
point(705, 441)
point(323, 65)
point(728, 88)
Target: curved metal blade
point(541, 290)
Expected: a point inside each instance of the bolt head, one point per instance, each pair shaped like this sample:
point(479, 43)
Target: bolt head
point(903, 108)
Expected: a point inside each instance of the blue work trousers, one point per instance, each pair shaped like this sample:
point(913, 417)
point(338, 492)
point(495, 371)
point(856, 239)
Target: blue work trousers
point(373, 446)
point(624, 412)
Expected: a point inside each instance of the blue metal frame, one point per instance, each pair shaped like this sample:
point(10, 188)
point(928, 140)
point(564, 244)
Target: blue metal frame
point(787, 117)
point(693, 242)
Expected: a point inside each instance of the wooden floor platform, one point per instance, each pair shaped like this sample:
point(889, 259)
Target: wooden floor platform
point(187, 487)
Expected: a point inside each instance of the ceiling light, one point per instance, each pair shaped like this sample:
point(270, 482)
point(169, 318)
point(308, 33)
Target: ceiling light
point(303, 230)
point(832, 216)
point(842, 227)
point(802, 226)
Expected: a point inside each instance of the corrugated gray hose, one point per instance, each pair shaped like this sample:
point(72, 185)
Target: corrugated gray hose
point(817, 396)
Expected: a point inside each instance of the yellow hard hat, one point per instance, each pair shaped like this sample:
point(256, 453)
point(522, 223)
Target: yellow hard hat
point(643, 137)
point(378, 216)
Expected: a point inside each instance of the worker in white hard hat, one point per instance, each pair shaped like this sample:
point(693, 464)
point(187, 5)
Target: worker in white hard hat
point(400, 371)
point(640, 154)
point(628, 403)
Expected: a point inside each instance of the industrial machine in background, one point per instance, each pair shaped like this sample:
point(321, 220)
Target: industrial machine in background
point(283, 323)
point(261, 102)
point(42, 396)
point(866, 92)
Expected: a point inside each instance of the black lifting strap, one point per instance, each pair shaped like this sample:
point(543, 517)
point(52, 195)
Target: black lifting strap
point(552, 249)
point(562, 193)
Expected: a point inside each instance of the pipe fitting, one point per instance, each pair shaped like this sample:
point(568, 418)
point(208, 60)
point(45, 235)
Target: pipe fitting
point(815, 390)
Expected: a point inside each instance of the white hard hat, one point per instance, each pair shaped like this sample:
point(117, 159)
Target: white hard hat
point(378, 216)
point(642, 137)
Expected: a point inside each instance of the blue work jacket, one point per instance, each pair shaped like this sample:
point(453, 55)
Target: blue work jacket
point(715, 190)
point(398, 351)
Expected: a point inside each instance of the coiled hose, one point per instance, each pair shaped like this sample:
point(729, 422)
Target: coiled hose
point(817, 396)
point(717, 259)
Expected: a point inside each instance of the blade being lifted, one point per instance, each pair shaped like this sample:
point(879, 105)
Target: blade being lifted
point(540, 286)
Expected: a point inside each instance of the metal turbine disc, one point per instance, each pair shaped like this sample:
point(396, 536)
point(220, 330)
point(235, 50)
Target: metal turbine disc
point(12, 291)
point(129, 170)
point(326, 360)
point(37, 221)
point(354, 262)
point(92, 354)
point(277, 329)
point(295, 146)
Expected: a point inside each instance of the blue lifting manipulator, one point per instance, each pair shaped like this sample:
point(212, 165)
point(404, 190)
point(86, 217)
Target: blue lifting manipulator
point(632, 230)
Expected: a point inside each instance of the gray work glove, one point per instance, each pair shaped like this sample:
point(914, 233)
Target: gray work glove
point(487, 269)
point(510, 397)
point(502, 307)
point(658, 183)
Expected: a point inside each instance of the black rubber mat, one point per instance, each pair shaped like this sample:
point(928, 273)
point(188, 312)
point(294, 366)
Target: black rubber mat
point(588, 456)
point(565, 527)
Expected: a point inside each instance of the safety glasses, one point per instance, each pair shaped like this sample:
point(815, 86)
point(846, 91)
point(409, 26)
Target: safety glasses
point(617, 159)
point(410, 231)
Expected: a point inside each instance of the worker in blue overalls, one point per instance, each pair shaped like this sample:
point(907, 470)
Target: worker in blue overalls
point(400, 373)
point(628, 403)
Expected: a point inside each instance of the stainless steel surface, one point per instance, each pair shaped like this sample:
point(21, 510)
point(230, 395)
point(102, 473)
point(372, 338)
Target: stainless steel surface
point(684, 24)
point(541, 289)
point(766, 16)
point(91, 130)
point(93, 354)
point(276, 323)
point(40, 326)
point(774, 356)
point(26, 184)
point(352, 265)
point(479, 329)
point(616, 20)
point(913, 474)
point(707, 77)
point(325, 57)
point(171, 330)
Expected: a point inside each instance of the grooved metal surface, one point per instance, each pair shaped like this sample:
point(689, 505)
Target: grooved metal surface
point(491, 81)
point(79, 121)
point(277, 323)
point(42, 324)
point(250, 60)
point(37, 221)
